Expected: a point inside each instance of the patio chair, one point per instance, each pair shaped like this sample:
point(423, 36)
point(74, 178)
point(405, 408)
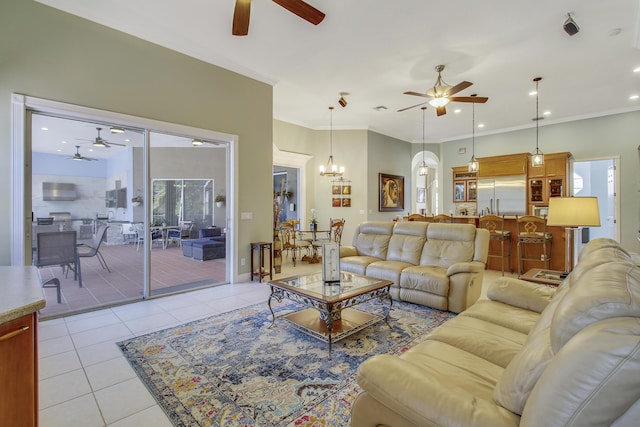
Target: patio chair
point(57, 248)
point(181, 233)
point(93, 249)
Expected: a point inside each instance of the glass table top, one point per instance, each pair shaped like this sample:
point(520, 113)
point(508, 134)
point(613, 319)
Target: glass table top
point(313, 284)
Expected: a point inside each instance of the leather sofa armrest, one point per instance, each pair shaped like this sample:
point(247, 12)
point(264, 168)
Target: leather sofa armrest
point(465, 267)
point(348, 251)
point(520, 293)
point(425, 399)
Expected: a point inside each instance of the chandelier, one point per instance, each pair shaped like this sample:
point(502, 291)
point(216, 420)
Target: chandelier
point(331, 169)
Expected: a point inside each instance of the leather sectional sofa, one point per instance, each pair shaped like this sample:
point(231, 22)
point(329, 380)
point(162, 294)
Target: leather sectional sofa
point(432, 264)
point(527, 355)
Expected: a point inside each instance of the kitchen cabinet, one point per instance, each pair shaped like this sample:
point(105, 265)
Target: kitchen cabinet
point(22, 297)
point(116, 198)
point(507, 165)
point(549, 180)
point(464, 185)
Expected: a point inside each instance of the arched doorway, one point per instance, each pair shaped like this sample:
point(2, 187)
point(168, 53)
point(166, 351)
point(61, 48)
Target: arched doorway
point(425, 190)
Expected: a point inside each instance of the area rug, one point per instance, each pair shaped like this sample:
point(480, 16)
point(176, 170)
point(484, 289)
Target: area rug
point(236, 369)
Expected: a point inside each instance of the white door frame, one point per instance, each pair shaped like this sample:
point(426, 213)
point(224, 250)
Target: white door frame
point(20, 218)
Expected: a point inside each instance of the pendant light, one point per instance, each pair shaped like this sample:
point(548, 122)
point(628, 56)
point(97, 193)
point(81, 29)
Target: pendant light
point(423, 170)
point(537, 158)
point(331, 169)
point(473, 165)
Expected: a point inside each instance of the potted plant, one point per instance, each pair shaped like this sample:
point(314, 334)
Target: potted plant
point(314, 220)
point(220, 199)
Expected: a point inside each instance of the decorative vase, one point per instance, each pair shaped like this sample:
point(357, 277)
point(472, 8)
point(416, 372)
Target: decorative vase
point(312, 227)
point(277, 252)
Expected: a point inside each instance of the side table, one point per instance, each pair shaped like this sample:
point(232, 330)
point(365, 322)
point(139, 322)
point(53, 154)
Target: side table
point(544, 277)
point(260, 272)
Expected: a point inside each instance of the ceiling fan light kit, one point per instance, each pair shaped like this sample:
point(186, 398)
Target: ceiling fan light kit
point(332, 169)
point(537, 158)
point(441, 94)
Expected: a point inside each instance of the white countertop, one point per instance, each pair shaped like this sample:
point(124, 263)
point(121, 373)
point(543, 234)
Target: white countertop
point(20, 292)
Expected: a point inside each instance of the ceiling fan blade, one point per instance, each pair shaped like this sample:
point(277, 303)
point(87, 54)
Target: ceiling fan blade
point(114, 143)
point(424, 95)
point(303, 10)
point(457, 88)
point(413, 106)
point(476, 99)
point(441, 111)
point(241, 18)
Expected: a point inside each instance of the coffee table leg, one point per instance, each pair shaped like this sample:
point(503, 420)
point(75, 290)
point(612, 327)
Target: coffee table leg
point(277, 298)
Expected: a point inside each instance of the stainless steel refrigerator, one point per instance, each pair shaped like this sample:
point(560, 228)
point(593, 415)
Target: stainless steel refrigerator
point(504, 195)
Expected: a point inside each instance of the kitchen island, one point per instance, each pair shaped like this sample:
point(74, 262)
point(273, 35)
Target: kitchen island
point(22, 297)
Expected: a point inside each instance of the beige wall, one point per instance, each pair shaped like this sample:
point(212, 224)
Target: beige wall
point(596, 138)
point(49, 54)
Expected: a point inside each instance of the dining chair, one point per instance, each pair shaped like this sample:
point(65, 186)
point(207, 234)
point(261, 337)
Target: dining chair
point(92, 249)
point(417, 217)
point(57, 248)
point(291, 243)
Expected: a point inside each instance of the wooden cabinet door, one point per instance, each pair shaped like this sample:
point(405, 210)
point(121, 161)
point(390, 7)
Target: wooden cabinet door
point(18, 376)
point(556, 167)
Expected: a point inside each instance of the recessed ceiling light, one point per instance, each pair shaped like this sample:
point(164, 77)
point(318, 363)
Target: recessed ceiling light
point(480, 125)
point(546, 113)
point(59, 150)
point(64, 142)
point(44, 128)
point(116, 129)
point(634, 97)
point(197, 142)
point(127, 140)
point(533, 93)
point(636, 70)
point(457, 110)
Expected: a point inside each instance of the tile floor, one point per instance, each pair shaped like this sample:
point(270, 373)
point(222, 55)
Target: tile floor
point(86, 381)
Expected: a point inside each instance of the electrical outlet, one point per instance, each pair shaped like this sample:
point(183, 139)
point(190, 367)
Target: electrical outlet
point(242, 261)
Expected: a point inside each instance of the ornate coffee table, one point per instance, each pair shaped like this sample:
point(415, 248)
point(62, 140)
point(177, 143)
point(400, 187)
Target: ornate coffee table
point(330, 316)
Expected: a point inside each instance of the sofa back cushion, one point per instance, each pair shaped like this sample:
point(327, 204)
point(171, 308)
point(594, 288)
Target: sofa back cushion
point(209, 232)
point(447, 244)
point(407, 241)
point(607, 290)
point(372, 238)
point(593, 381)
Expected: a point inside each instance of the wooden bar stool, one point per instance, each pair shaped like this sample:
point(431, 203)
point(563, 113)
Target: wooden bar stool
point(260, 272)
point(532, 232)
point(495, 225)
point(443, 218)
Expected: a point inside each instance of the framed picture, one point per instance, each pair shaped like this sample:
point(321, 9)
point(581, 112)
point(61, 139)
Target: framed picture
point(422, 195)
point(346, 202)
point(459, 191)
point(336, 202)
point(391, 193)
point(335, 189)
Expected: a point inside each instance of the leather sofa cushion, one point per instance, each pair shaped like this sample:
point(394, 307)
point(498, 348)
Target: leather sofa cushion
point(608, 290)
point(373, 238)
point(407, 241)
point(530, 296)
point(494, 343)
point(592, 380)
point(447, 244)
point(357, 264)
point(426, 279)
point(509, 316)
point(387, 270)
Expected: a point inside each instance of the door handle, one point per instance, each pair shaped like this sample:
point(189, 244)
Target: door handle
point(10, 335)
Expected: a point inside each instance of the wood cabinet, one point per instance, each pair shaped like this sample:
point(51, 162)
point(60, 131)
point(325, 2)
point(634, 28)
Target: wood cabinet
point(18, 373)
point(548, 180)
point(465, 185)
point(508, 165)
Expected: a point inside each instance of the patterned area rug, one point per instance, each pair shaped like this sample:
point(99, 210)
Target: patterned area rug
point(235, 370)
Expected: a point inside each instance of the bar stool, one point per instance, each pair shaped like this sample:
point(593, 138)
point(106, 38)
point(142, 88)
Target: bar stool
point(260, 272)
point(532, 231)
point(495, 225)
point(443, 218)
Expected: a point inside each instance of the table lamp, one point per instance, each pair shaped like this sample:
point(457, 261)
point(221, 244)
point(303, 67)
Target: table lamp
point(572, 212)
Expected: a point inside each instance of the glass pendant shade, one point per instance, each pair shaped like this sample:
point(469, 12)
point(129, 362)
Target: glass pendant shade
point(439, 102)
point(423, 170)
point(331, 169)
point(473, 165)
point(537, 158)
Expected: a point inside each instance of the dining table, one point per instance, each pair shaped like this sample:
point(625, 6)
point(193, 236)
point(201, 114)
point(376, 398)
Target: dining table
point(311, 236)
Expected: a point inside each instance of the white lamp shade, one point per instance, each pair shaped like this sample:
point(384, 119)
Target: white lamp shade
point(574, 212)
